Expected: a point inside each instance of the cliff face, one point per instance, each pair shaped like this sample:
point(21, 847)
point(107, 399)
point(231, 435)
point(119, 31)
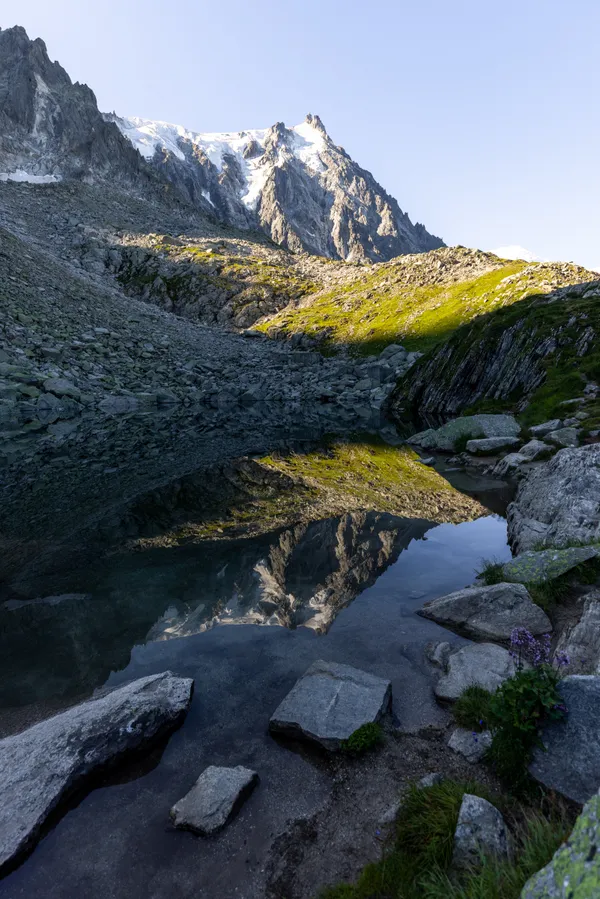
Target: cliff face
point(528, 356)
point(50, 128)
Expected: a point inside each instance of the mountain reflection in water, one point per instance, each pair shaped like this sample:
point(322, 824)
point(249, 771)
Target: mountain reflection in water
point(228, 542)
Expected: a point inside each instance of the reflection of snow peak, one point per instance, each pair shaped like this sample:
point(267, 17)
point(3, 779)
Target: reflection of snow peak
point(20, 175)
point(148, 137)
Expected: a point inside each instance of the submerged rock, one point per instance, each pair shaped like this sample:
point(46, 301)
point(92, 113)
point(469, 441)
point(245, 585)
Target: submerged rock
point(480, 829)
point(482, 664)
point(330, 702)
point(213, 798)
point(569, 760)
point(488, 613)
point(547, 564)
point(574, 872)
point(558, 502)
point(42, 764)
point(471, 426)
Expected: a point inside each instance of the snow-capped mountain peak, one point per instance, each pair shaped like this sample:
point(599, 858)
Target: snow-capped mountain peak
point(293, 183)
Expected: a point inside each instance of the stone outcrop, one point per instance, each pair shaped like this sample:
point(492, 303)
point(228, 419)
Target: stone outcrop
point(215, 796)
point(504, 353)
point(42, 765)
point(569, 759)
point(488, 613)
point(330, 702)
point(558, 502)
point(580, 643)
point(574, 872)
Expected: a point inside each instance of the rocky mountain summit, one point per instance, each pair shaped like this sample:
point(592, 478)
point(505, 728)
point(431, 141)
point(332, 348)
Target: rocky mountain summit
point(305, 192)
point(294, 184)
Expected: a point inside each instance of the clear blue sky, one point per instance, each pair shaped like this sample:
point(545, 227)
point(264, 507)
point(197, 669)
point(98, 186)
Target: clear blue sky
point(481, 118)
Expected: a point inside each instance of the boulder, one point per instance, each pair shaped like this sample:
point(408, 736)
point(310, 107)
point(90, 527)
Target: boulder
point(547, 564)
point(510, 466)
point(217, 793)
point(574, 872)
point(480, 829)
point(330, 702)
point(471, 426)
point(41, 765)
point(564, 437)
point(536, 449)
point(482, 664)
point(558, 502)
point(580, 644)
point(473, 746)
point(61, 387)
point(569, 759)
point(488, 613)
point(545, 427)
point(486, 446)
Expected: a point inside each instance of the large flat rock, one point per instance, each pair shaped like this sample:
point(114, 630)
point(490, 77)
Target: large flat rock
point(488, 613)
point(44, 763)
point(330, 702)
point(570, 759)
point(479, 664)
point(217, 793)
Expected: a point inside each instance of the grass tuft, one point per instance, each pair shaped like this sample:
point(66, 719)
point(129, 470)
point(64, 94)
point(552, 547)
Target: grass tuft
point(472, 709)
point(491, 572)
point(365, 738)
point(417, 866)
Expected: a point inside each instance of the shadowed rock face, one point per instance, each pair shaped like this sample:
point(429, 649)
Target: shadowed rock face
point(50, 126)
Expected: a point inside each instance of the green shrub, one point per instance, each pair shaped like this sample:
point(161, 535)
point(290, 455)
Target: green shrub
point(471, 709)
point(491, 572)
point(363, 739)
point(517, 710)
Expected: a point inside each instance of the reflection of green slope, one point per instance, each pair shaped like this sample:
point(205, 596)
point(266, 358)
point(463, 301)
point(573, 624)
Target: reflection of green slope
point(277, 490)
